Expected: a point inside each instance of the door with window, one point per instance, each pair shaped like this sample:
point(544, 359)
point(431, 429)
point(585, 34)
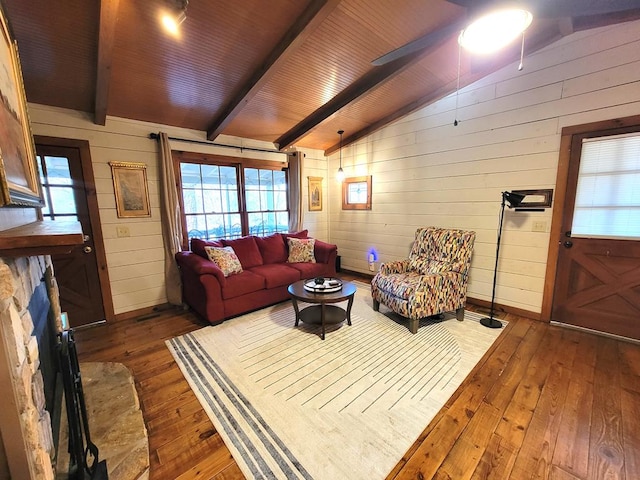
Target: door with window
point(62, 175)
point(597, 283)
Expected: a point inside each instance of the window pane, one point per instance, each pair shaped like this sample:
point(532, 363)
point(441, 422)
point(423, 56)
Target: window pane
point(280, 200)
point(193, 202)
point(196, 226)
point(233, 227)
point(190, 175)
point(57, 170)
point(62, 200)
point(215, 226)
point(282, 221)
point(210, 176)
point(607, 197)
point(251, 179)
point(253, 200)
point(357, 192)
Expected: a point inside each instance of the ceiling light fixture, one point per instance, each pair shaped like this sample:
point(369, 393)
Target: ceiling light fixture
point(494, 30)
point(171, 20)
point(340, 174)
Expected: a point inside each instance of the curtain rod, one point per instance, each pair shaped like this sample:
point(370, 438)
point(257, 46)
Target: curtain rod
point(155, 136)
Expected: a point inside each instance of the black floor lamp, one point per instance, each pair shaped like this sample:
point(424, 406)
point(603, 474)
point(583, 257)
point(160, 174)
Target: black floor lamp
point(514, 200)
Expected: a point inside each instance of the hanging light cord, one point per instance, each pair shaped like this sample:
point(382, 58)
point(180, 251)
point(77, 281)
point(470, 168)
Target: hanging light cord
point(455, 120)
point(521, 54)
point(341, 132)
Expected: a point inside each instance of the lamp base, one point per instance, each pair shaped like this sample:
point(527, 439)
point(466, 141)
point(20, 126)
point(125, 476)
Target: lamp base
point(491, 322)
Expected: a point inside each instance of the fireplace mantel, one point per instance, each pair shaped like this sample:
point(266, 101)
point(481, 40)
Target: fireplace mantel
point(40, 238)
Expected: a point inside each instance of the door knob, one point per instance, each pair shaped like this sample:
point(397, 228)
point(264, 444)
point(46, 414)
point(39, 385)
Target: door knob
point(87, 249)
point(568, 244)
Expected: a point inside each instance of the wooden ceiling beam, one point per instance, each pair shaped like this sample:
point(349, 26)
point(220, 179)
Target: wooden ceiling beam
point(106, 41)
point(367, 82)
point(311, 18)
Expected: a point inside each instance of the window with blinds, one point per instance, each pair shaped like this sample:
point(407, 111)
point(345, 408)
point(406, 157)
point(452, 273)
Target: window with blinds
point(608, 192)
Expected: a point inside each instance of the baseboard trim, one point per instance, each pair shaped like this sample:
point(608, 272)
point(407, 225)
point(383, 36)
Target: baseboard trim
point(143, 312)
point(504, 309)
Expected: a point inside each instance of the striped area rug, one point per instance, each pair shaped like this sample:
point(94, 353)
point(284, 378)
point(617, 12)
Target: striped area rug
point(291, 406)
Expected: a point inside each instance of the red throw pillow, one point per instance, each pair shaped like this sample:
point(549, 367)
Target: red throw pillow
point(272, 248)
point(197, 246)
point(246, 249)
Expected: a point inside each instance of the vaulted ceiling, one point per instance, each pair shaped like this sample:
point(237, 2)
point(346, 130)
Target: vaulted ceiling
point(291, 72)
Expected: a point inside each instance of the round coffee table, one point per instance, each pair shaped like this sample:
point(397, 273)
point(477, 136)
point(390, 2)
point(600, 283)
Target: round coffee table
point(322, 313)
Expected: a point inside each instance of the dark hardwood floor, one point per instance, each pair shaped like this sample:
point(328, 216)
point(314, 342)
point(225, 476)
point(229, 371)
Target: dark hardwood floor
point(544, 402)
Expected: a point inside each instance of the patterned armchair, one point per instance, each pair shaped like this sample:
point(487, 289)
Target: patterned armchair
point(431, 281)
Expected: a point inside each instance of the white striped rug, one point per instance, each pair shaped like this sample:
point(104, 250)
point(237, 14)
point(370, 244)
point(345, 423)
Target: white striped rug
point(291, 406)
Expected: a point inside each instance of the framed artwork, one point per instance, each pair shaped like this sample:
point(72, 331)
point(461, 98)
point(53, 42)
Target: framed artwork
point(315, 194)
point(131, 189)
point(19, 182)
point(356, 193)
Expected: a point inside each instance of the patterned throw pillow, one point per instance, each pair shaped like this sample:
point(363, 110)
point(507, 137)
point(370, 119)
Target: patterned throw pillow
point(225, 258)
point(301, 250)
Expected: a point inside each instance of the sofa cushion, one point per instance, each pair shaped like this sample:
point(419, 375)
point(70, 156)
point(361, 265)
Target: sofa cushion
point(272, 248)
point(225, 258)
point(301, 250)
point(241, 284)
point(311, 270)
point(277, 274)
point(246, 249)
point(197, 246)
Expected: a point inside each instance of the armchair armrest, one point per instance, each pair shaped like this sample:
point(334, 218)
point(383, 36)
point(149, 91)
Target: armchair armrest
point(398, 266)
point(199, 266)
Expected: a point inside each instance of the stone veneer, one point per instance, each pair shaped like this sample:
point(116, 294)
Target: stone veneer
point(19, 277)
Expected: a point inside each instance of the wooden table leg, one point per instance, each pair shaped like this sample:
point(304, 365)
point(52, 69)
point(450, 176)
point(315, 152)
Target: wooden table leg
point(349, 304)
point(322, 308)
point(295, 308)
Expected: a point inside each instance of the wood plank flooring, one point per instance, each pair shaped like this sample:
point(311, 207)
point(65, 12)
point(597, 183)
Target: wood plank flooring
point(545, 402)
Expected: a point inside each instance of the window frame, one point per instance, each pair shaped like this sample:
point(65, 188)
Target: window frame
point(239, 163)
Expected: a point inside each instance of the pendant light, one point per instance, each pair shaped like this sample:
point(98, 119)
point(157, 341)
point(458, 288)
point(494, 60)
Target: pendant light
point(340, 174)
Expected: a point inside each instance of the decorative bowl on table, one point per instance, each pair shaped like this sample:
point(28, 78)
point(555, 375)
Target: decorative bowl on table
point(323, 285)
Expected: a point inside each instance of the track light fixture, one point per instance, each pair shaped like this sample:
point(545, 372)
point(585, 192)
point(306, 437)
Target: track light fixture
point(340, 174)
point(173, 18)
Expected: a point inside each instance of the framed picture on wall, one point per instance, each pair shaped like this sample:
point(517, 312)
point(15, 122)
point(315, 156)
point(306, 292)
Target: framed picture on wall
point(131, 189)
point(315, 194)
point(19, 182)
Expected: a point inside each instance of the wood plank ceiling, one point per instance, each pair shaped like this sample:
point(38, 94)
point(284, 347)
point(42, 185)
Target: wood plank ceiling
point(291, 72)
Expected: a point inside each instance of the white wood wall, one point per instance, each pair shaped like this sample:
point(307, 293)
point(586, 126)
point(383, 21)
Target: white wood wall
point(136, 263)
point(428, 172)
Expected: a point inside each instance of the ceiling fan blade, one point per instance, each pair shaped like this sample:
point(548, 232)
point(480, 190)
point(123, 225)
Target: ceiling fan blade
point(556, 8)
point(421, 43)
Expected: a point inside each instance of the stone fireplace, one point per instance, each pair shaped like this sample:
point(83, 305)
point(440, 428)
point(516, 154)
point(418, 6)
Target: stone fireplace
point(29, 315)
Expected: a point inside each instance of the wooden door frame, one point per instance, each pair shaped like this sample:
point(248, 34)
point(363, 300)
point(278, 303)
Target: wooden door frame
point(94, 213)
point(555, 236)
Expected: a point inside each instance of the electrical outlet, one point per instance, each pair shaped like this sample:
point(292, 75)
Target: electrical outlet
point(122, 231)
point(372, 267)
point(539, 226)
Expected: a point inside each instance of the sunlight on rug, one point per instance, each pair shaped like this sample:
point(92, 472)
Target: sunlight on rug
point(289, 405)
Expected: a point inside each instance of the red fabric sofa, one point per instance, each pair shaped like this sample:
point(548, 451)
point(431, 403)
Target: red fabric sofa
point(264, 279)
